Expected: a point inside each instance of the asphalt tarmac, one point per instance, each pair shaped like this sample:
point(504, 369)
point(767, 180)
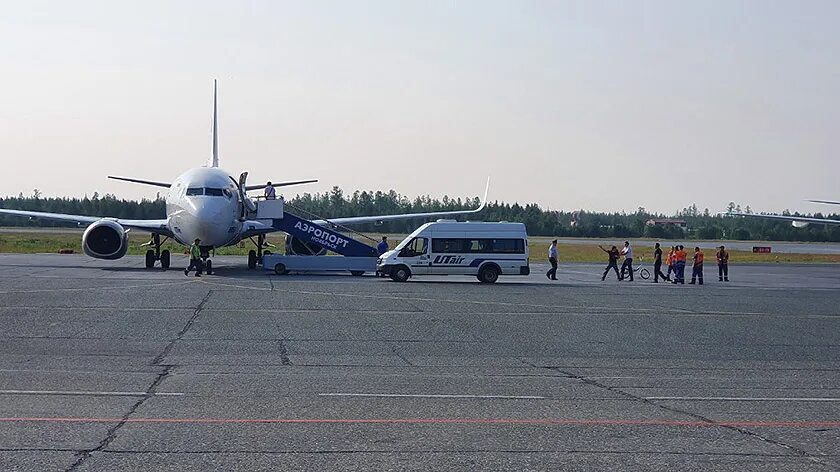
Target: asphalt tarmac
point(105, 365)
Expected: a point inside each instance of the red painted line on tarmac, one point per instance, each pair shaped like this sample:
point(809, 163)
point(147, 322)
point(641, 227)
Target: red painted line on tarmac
point(439, 421)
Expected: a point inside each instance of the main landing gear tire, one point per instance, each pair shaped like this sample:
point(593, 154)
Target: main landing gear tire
point(164, 259)
point(208, 265)
point(400, 274)
point(488, 274)
point(252, 259)
point(357, 273)
point(150, 259)
point(280, 269)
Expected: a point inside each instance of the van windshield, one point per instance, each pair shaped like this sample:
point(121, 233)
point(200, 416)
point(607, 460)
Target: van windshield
point(415, 247)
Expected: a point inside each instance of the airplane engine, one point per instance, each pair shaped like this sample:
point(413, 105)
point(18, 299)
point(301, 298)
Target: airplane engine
point(297, 247)
point(105, 239)
point(800, 224)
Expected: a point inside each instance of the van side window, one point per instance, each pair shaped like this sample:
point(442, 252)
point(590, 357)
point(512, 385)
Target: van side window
point(416, 247)
point(448, 245)
point(478, 246)
point(509, 246)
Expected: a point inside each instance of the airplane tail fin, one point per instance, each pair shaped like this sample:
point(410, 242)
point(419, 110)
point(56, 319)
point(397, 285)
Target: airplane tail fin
point(215, 161)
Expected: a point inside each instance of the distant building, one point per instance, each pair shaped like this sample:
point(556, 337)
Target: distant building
point(666, 222)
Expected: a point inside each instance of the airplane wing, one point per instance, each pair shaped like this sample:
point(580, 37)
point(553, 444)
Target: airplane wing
point(255, 227)
point(139, 181)
point(279, 184)
point(405, 216)
point(798, 221)
point(152, 226)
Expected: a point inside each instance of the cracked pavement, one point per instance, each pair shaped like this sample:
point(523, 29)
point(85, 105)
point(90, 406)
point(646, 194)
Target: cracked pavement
point(107, 366)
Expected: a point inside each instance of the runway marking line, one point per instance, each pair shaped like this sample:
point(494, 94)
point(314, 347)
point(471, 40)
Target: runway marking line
point(438, 421)
point(432, 395)
point(84, 289)
point(89, 393)
point(749, 399)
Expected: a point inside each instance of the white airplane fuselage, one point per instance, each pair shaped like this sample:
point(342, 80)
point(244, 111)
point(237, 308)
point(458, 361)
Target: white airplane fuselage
point(204, 203)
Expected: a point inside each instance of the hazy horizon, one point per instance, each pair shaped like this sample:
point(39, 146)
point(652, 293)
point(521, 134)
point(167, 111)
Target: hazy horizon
point(571, 106)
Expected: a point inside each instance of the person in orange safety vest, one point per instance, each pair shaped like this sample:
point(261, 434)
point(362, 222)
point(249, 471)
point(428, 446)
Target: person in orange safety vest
point(697, 270)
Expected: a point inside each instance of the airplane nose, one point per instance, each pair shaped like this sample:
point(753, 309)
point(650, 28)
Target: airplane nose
point(211, 226)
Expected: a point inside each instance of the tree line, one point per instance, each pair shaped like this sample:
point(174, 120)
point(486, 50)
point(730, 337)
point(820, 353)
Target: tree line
point(336, 203)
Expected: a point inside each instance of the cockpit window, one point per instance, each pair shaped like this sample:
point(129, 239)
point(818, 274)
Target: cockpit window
point(210, 192)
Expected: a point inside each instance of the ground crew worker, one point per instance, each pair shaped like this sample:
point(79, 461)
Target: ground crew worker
point(697, 268)
point(723, 264)
point(670, 261)
point(552, 259)
point(195, 259)
point(382, 248)
point(613, 254)
point(627, 251)
point(270, 193)
point(680, 257)
point(657, 265)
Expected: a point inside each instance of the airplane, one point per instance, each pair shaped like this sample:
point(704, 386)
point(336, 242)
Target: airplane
point(796, 221)
point(206, 203)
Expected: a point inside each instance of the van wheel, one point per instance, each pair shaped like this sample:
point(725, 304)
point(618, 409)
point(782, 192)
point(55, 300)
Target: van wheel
point(488, 274)
point(400, 273)
point(280, 269)
point(357, 273)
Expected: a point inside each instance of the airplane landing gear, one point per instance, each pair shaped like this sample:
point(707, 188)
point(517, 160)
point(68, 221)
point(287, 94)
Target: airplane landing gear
point(256, 256)
point(154, 255)
point(206, 262)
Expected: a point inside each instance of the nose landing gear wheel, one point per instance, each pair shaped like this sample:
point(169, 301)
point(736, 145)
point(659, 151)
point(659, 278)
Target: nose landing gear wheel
point(252, 259)
point(164, 259)
point(209, 266)
point(150, 259)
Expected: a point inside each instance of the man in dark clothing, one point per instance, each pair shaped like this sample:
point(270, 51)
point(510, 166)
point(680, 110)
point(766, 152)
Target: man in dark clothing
point(657, 265)
point(723, 264)
point(382, 248)
point(613, 263)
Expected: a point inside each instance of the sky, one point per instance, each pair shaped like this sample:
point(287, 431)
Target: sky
point(596, 105)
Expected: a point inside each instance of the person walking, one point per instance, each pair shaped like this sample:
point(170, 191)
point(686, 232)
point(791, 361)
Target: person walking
point(657, 265)
point(722, 257)
point(195, 259)
point(269, 192)
point(697, 268)
point(552, 259)
point(680, 257)
point(613, 254)
point(627, 252)
point(670, 262)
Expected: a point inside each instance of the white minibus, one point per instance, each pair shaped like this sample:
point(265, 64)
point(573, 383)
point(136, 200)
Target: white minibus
point(485, 250)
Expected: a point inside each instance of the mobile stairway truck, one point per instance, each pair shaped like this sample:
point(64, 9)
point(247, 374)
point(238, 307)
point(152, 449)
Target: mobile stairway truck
point(357, 259)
